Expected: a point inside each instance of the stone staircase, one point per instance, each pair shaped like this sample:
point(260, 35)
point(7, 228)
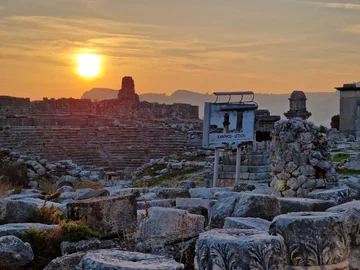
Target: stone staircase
point(255, 165)
point(117, 148)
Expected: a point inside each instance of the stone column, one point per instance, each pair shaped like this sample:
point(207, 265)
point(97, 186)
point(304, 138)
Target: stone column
point(223, 249)
point(313, 240)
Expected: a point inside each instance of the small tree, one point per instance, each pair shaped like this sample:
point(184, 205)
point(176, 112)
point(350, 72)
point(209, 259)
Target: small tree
point(335, 121)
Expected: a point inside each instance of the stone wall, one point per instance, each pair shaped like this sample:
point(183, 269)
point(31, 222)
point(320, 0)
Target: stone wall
point(11, 106)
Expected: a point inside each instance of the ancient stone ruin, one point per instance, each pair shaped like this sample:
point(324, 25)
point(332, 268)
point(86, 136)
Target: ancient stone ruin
point(300, 158)
point(290, 210)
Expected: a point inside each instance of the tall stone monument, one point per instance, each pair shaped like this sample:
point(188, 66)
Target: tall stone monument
point(127, 92)
point(350, 109)
point(297, 106)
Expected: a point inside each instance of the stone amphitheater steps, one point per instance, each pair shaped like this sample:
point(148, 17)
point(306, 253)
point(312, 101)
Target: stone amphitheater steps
point(119, 148)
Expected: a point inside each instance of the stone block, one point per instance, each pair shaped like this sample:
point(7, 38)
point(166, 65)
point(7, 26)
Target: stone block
point(339, 195)
point(194, 202)
point(81, 246)
point(156, 203)
point(94, 194)
point(315, 239)
point(109, 216)
point(124, 260)
point(256, 205)
point(288, 205)
point(247, 223)
point(223, 208)
point(19, 211)
point(239, 249)
point(172, 193)
point(169, 224)
point(67, 262)
point(17, 229)
point(14, 253)
point(203, 193)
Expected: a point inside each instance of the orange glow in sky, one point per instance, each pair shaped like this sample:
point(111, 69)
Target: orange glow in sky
point(204, 46)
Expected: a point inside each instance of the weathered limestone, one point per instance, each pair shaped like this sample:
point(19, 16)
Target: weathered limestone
point(14, 253)
point(17, 229)
point(12, 211)
point(156, 203)
point(315, 239)
point(66, 262)
point(351, 210)
point(247, 223)
point(94, 194)
point(168, 223)
point(223, 208)
point(124, 260)
point(109, 216)
point(301, 162)
point(172, 193)
point(288, 205)
point(256, 205)
point(239, 249)
point(339, 195)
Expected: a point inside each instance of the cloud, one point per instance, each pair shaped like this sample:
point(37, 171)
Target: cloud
point(352, 29)
point(333, 5)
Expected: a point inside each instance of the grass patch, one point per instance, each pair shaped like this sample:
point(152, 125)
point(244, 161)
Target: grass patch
point(348, 172)
point(340, 157)
point(152, 170)
point(168, 179)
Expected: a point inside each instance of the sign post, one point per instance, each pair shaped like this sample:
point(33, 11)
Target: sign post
point(216, 166)
point(229, 125)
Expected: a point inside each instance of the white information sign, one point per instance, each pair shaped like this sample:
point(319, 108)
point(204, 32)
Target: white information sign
point(228, 124)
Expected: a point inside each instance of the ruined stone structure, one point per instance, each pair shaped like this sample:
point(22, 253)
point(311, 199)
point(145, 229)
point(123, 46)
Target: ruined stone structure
point(82, 112)
point(300, 158)
point(122, 133)
point(297, 106)
point(350, 109)
point(127, 92)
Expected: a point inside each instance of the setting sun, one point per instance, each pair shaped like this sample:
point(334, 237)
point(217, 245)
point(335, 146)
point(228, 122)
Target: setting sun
point(88, 65)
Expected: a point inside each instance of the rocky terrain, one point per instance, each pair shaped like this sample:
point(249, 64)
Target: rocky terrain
point(59, 215)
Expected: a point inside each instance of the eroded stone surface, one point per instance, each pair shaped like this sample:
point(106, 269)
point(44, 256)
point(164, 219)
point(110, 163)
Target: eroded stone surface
point(109, 216)
point(256, 205)
point(17, 229)
point(247, 223)
point(288, 205)
point(14, 252)
point(239, 249)
point(313, 239)
point(124, 260)
point(169, 224)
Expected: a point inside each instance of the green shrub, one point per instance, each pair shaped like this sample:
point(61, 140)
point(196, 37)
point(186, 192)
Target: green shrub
point(47, 215)
point(46, 244)
point(75, 231)
point(340, 157)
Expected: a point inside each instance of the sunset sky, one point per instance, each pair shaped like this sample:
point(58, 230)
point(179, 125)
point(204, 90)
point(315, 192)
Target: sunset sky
point(268, 46)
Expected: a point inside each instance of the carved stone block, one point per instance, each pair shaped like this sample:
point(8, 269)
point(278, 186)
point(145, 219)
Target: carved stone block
point(313, 239)
point(223, 249)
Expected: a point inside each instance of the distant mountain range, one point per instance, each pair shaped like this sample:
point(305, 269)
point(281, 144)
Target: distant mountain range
point(322, 105)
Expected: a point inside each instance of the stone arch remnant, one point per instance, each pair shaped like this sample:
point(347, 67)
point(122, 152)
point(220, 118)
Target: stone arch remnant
point(300, 159)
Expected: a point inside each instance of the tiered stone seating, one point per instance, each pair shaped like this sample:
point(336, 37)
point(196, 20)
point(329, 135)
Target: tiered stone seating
point(114, 147)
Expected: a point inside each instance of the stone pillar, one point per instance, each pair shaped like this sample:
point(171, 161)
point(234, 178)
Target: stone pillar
point(313, 240)
point(239, 249)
